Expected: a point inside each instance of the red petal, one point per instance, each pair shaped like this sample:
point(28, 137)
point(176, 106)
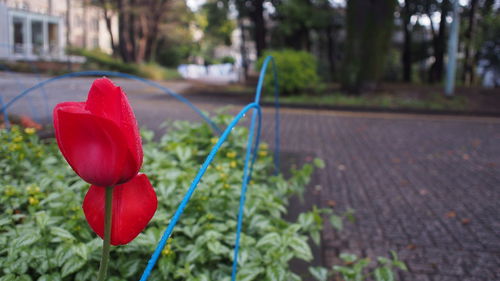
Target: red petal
point(134, 204)
point(93, 146)
point(109, 101)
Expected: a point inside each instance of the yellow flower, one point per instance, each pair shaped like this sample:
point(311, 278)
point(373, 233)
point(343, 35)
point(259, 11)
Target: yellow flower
point(233, 164)
point(231, 154)
point(168, 248)
point(226, 186)
point(9, 191)
point(30, 131)
point(33, 201)
point(166, 252)
point(264, 146)
point(263, 153)
point(14, 147)
point(218, 168)
point(18, 139)
point(214, 140)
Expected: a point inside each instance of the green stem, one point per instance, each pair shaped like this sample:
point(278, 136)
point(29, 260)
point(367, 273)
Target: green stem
point(103, 268)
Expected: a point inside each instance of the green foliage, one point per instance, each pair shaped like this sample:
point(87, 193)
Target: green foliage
point(215, 22)
point(97, 59)
point(44, 235)
point(489, 40)
point(431, 101)
point(369, 26)
point(359, 269)
point(297, 71)
point(157, 72)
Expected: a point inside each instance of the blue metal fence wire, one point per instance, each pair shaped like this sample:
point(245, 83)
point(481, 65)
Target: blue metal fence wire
point(250, 156)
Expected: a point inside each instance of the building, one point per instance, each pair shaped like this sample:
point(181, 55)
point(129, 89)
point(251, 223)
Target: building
point(40, 29)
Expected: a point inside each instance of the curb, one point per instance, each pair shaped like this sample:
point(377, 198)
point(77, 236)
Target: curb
point(386, 110)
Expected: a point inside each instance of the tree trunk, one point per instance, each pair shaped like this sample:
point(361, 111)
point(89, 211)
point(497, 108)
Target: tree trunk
point(68, 30)
point(107, 19)
point(243, 49)
point(439, 42)
point(123, 30)
point(257, 17)
point(468, 71)
point(407, 60)
point(330, 49)
point(369, 33)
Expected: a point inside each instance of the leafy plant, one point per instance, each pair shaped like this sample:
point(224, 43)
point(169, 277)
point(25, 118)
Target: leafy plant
point(297, 71)
point(44, 235)
point(359, 269)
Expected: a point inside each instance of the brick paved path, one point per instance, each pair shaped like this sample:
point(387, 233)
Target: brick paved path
point(427, 187)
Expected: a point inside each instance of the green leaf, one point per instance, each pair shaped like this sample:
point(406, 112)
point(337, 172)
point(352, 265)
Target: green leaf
point(399, 264)
point(9, 277)
point(349, 214)
point(27, 239)
point(71, 266)
point(336, 222)
point(348, 258)
point(301, 248)
point(81, 250)
point(275, 273)
point(62, 233)
point(319, 273)
point(318, 162)
point(196, 252)
point(384, 274)
point(248, 273)
point(383, 260)
point(270, 239)
point(130, 267)
point(42, 219)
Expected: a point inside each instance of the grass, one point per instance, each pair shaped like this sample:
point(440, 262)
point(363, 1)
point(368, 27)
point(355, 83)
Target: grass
point(99, 60)
point(434, 101)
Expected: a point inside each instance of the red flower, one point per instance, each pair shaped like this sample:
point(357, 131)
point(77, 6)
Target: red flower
point(100, 138)
point(134, 204)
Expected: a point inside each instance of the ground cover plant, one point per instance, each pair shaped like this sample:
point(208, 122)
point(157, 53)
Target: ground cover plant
point(45, 235)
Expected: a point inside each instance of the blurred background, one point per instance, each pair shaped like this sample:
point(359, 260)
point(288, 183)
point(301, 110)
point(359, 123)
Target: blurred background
point(324, 48)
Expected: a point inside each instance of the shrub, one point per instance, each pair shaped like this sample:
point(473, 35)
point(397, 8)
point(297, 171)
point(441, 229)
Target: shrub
point(44, 235)
point(297, 71)
point(157, 72)
point(100, 60)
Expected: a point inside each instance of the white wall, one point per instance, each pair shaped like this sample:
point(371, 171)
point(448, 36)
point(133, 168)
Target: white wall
point(4, 32)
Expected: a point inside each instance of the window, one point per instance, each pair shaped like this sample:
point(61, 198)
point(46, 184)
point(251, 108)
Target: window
point(37, 37)
point(53, 37)
point(19, 31)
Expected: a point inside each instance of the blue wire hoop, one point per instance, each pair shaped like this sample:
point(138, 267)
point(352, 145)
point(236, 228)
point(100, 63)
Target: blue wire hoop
point(250, 157)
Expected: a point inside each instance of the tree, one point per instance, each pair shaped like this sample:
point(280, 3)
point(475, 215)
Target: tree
point(254, 10)
point(369, 31)
point(407, 12)
point(138, 25)
point(439, 43)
